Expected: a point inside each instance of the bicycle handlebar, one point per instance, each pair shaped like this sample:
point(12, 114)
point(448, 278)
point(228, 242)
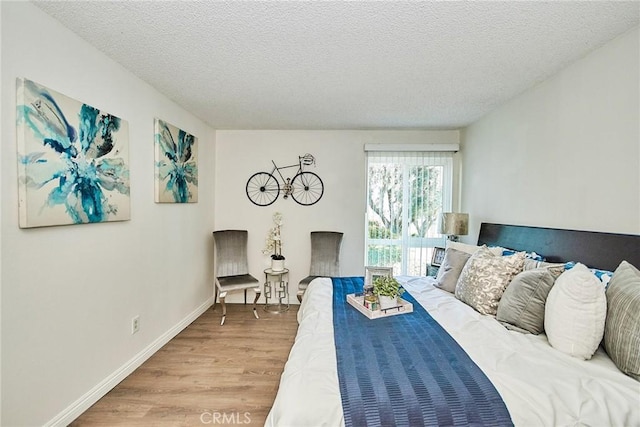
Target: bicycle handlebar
point(307, 159)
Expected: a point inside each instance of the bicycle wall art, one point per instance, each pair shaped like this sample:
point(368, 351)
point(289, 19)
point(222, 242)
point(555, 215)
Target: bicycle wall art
point(305, 188)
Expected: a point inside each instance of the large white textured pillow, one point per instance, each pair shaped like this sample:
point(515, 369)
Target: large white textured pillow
point(575, 313)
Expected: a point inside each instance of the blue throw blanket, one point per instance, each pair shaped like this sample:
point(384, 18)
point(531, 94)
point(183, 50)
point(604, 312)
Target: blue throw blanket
point(406, 370)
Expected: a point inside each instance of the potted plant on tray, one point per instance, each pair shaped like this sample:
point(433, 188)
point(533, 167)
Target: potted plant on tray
point(387, 289)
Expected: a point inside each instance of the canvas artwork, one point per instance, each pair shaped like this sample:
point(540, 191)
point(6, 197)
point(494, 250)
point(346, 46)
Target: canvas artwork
point(176, 174)
point(73, 160)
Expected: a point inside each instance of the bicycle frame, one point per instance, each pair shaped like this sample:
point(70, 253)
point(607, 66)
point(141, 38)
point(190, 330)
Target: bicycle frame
point(305, 187)
point(305, 160)
point(279, 168)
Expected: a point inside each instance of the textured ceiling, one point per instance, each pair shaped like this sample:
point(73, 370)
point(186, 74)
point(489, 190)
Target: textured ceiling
point(344, 65)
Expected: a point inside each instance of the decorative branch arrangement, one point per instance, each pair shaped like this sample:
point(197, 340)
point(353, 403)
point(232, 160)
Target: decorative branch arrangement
point(273, 243)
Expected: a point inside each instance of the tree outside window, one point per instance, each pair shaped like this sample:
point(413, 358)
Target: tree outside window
point(406, 194)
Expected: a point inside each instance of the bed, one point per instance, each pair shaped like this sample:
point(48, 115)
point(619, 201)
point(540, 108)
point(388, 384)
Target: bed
point(538, 384)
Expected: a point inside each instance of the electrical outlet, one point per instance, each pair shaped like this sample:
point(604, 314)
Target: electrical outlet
point(135, 324)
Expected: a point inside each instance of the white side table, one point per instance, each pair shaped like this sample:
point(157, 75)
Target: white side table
point(276, 286)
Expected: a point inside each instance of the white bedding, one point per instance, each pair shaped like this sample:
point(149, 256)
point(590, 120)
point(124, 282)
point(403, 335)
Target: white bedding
point(539, 385)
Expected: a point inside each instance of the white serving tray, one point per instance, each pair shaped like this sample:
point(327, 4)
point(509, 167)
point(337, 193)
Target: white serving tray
point(358, 303)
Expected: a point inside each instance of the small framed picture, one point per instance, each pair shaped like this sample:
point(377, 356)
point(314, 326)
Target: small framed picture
point(371, 273)
point(438, 257)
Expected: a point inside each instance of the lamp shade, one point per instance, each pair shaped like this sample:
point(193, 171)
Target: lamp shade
point(454, 224)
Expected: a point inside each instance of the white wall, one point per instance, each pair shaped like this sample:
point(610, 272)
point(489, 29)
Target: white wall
point(69, 293)
point(66, 312)
point(564, 154)
point(340, 163)
point(1, 97)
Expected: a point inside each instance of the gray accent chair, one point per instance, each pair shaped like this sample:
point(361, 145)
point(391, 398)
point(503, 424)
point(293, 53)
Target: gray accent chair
point(232, 268)
point(325, 258)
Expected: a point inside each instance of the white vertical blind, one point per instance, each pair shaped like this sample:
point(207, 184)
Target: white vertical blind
point(406, 193)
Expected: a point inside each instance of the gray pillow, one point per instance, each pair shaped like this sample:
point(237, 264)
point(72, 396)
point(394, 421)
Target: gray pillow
point(530, 264)
point(450, 269)
point(522, 305)
point(622, 325)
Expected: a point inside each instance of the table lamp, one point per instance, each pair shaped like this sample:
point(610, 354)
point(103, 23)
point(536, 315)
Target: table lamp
point(454, 225)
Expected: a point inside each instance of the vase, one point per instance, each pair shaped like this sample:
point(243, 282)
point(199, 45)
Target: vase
point(277, 264)
point(387, 302)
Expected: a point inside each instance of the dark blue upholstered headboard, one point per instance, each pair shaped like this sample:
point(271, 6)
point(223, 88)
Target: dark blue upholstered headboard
point(594, 249)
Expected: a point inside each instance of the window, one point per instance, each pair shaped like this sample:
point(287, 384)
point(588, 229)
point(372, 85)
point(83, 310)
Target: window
point(406, 193)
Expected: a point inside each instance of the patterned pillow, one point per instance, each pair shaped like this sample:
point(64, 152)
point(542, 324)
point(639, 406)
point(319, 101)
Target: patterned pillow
point(528, 255)
point(604, 276)
point(485, 277)
point(622, 326)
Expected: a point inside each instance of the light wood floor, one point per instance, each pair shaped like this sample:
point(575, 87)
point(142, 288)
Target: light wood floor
point(206, 371)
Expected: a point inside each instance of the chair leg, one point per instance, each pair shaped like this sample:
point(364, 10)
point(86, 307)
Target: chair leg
point(224, 307)
point(300, 294)
point(215, 297)
point(255, 312)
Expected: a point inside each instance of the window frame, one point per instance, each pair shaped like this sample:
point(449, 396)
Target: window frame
point(406, 243)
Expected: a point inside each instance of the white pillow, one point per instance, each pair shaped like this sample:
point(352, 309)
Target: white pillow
point(575, 312)
point(471, 249)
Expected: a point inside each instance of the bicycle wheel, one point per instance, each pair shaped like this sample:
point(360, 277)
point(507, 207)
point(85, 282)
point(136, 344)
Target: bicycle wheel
point(307, 188)
point(262, 189)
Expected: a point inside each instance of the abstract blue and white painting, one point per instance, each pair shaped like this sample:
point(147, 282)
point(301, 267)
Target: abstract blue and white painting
point(176, 164)
point(73, 160)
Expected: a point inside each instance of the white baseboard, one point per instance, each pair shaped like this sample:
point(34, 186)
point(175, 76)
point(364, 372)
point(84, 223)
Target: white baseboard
point(92, 396)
